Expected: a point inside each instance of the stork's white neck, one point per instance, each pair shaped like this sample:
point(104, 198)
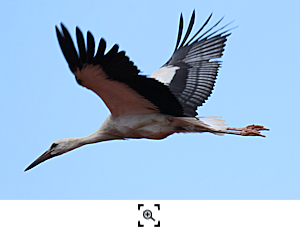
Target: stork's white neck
point(104, 133)
point(97, 136)
point(69, 144)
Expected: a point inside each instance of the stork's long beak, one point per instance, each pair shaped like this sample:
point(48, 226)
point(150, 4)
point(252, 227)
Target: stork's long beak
point(42, 158)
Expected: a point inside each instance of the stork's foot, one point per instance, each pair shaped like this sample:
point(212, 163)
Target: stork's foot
point(251, 130)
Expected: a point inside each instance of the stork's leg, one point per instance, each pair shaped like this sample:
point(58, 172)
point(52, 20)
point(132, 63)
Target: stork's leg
point(251, 130)
point(214, 125)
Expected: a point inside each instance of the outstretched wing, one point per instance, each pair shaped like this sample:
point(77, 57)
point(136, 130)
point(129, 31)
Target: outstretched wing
point(190, 73)
point(115, 79)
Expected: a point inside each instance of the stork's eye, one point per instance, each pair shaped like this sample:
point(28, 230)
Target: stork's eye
point(53, 145)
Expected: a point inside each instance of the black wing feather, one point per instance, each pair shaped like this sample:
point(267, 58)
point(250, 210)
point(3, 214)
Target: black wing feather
point(188, 32)
point(90, 48)
point(179, 32)
point(67, 47)
point(81, 46)
point(206, 22)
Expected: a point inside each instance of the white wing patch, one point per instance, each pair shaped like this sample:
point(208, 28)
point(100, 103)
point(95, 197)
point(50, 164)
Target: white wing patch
point(165, 74)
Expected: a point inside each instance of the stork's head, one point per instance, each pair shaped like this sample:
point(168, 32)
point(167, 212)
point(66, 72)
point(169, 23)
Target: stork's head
point(57, 148)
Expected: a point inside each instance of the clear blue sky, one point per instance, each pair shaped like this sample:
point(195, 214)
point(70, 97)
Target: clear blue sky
point(41, 102)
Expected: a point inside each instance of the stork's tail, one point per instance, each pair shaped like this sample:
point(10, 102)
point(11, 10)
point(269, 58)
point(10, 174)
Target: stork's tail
point(213, 124)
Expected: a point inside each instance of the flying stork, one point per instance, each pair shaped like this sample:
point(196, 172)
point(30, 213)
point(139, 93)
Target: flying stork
point(143, 107)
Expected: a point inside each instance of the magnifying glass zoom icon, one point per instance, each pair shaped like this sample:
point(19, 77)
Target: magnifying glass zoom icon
point(147, 214)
